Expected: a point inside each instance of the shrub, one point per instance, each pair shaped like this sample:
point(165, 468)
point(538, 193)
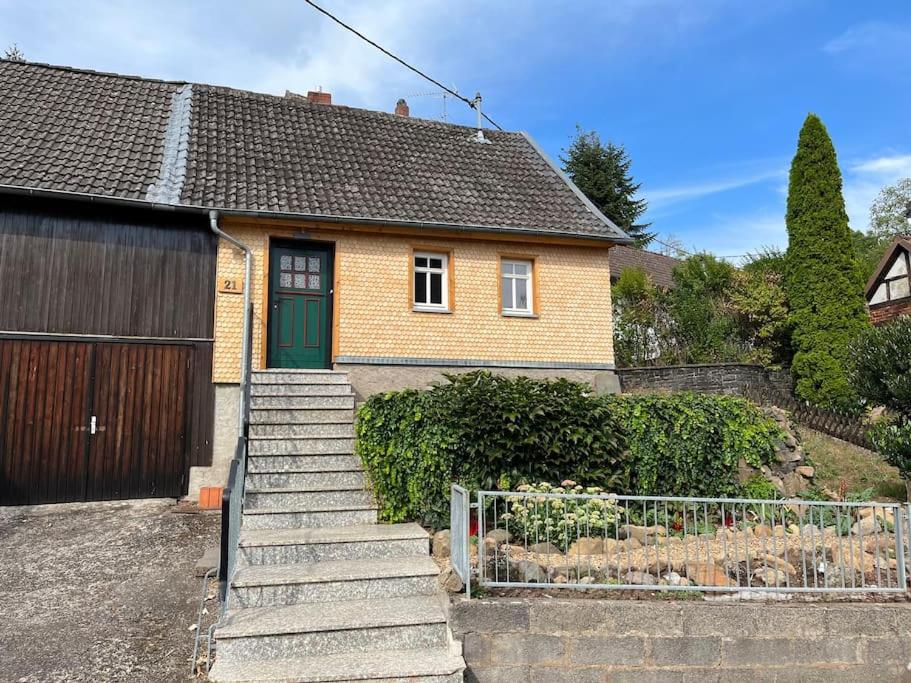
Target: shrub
point(689, 444)
point(493, 432)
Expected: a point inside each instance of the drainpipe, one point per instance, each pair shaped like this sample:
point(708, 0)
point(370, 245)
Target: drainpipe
point(245, 348)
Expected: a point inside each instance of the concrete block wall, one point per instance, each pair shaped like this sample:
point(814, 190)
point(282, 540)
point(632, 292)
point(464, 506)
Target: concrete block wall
point(544, 639)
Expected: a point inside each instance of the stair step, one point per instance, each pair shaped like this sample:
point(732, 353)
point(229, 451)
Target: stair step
point(291, 377)
point(309, 402)
point(333, 628)
point(339, 479)
point(292, 518)
point(291, 431)
point(308, 501)
point(416, 666)
point(294, 584)
point(331, 445)
point(323, 544)
point(301, 463)
point(334, 389)
point(281, 417)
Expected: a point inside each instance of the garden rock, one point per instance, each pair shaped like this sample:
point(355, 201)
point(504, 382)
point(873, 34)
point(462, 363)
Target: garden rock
point(771, 576)
point(805, 471)
point(793, 484)
point(442, 541)
point(703, 574)
point(867, 525)
point(544, 549)
point(499, 535)
point(674, 579)
point(527, 571)
point(635, 578)
point(642, 533)
point(587, 546)
point(776, 563)
point(450, 581)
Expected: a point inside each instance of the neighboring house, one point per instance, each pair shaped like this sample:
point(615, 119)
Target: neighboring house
point(391, 247)
point(889, 288)
point(658, 267)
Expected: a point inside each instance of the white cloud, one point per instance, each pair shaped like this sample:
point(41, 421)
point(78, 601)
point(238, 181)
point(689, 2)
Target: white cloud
point(864, 179)
point(664, 196)
point(870, 38)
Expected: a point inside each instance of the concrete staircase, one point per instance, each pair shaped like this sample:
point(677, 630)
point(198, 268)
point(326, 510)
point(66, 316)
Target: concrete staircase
point(322, 592)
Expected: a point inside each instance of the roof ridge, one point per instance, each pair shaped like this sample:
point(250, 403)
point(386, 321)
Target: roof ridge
point(92, 72)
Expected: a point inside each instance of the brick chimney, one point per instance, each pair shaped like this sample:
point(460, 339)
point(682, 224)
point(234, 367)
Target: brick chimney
point(319, 97)
point(401, 108)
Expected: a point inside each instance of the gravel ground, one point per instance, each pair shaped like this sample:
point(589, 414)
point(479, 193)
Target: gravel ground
point(99, 591)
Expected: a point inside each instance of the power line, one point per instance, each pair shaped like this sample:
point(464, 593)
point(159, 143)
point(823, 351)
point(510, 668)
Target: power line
point(401, 61)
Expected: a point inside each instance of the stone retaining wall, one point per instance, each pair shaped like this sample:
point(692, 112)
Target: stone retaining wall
point(544, 639)
point(723, 378)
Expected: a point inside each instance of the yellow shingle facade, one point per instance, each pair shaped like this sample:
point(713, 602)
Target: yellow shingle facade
point(373, 311)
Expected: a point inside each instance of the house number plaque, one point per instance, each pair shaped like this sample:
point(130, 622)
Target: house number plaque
point(232, 285)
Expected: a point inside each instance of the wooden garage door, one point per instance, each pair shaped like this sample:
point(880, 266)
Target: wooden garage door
point(92, 421)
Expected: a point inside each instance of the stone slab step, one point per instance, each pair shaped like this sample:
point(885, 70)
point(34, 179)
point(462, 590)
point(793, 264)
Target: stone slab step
point(318, 582)
point(440, 665)
point(335, 389)
point(333, 628)
point(355, 542)
point(339, 479)
point(321, 500)
point(290, 518)
point(331, 445)
point(295, 402)
point(301, 463)
point(307, 431)
point(284, 376)
point(267, 416)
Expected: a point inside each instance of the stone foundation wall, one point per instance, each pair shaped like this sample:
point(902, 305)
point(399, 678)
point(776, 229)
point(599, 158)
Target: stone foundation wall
point(369, 379)
point(724, 378)
point(552, 640)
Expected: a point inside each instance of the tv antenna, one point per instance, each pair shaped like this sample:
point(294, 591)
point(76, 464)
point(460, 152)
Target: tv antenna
point(441, 94)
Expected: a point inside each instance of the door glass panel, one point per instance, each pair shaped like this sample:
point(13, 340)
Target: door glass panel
point(286, 263)
point(300, 263)
point(284, 280)
point(313, 281)
point(300, 281)
point(313, 263)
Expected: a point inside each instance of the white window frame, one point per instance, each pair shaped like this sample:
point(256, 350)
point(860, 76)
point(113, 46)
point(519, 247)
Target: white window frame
point(443, 306)
point(529, 311)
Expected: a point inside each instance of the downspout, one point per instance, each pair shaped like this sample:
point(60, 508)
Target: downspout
point(245, 347)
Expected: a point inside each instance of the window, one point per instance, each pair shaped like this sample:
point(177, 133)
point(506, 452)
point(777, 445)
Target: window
point(896, 283)
point(516, 287)
point(431, 281)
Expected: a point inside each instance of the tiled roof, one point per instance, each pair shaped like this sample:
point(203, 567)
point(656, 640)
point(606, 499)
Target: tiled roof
point(659, 267)
point(66, 129)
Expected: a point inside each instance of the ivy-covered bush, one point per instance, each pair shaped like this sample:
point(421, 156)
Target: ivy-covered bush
point(493, 432)
point(689, 444)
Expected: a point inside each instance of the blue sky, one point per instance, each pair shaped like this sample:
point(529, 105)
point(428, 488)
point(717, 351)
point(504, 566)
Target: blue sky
point(708, 96)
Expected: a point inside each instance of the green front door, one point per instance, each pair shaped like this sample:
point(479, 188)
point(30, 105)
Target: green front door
point(299, 288)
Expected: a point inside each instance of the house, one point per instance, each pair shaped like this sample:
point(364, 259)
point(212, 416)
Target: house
point(391, 247)
point(888, 290)
point(658, 267)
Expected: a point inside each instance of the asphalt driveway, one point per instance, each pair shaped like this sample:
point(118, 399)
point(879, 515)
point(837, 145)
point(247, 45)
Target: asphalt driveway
point(99, 591)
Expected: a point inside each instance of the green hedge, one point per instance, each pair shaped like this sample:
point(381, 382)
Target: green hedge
point(489, 431)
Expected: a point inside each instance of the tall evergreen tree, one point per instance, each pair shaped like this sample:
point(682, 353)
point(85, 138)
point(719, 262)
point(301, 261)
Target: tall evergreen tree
point(822, 277)
point(602, 172)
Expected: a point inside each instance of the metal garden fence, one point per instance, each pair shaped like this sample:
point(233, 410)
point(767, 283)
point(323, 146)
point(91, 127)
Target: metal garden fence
point(557, 540)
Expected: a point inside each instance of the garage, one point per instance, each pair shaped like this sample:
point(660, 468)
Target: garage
point(105, 352)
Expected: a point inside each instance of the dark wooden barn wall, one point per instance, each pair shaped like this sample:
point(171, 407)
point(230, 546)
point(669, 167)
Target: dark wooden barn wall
point(66, 269)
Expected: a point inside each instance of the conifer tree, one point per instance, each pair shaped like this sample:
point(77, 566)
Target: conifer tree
point(602, 172)
point(822, 277)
